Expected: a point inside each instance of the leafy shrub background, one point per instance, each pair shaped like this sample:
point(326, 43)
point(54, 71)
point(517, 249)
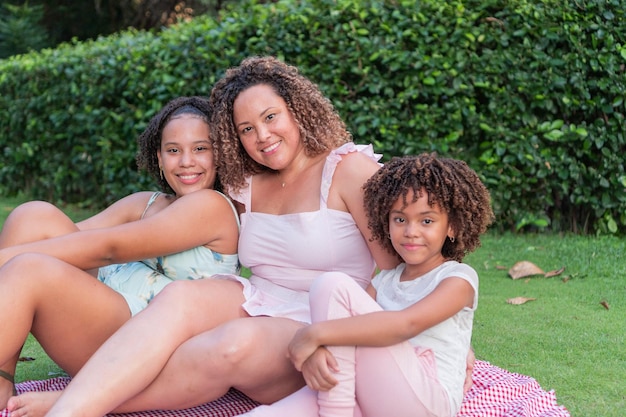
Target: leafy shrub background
point(529, 93)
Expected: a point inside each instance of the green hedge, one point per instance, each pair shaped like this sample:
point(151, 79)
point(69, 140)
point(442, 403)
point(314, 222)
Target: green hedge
point(531, 94)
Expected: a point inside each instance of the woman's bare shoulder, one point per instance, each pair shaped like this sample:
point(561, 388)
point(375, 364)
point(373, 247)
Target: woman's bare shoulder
point(355, 166)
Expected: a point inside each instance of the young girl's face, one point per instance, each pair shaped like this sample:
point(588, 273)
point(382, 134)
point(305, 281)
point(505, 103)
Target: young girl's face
point(418, 232)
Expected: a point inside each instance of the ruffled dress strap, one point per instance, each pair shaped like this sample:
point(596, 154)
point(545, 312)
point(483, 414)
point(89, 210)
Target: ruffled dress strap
point(243, 195)
point(334, 158)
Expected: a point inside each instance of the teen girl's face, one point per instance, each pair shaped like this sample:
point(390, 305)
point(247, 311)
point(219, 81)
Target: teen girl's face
point(418, 232)
point(266, 127)
point(186, 155)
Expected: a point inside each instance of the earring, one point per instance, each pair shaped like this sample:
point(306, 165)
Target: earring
point(451, 239)
point(161, 169)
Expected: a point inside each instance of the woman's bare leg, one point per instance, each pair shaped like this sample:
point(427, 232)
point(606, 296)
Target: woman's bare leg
point(135, 355)
point(249, 354)
point(67, 310)
point(32, 221)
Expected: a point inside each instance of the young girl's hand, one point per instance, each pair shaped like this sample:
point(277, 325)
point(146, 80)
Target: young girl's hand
point(318, 370)
point(301, 347)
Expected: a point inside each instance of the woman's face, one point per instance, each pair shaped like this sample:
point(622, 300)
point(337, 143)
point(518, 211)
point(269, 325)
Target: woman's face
point(266, 127)
point(186, 155)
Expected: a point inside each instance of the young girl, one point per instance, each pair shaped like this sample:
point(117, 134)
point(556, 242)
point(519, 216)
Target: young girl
point(405, 353)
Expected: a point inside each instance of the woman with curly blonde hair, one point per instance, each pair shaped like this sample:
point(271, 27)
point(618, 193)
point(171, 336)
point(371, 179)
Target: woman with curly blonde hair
point(285, 156)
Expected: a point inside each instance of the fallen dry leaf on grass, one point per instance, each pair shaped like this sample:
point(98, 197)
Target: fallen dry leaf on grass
point(554, 273)
point(604, 304)
point(519, 300)
point(523, 269)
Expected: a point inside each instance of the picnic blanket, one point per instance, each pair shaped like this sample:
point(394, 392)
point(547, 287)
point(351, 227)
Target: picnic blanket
point(496, 393)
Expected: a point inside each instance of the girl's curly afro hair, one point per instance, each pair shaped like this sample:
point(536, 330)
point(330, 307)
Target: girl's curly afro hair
point(321, 128)
point(449, 183)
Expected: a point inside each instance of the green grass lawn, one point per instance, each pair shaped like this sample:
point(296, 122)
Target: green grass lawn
point(566, 338)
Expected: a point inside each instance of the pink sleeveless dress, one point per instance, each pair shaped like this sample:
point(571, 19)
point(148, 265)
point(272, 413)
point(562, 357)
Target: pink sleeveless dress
point(285, 253)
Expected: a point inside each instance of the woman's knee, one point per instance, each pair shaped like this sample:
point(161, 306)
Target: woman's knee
point(237, 341)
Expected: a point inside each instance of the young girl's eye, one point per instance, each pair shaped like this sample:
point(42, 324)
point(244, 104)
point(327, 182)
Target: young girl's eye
point(398, 219)
point(428, 221)
point(172, 150)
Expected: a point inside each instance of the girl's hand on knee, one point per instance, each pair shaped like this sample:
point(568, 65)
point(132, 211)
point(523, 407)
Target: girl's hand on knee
point(318, 370)
point(301, 347)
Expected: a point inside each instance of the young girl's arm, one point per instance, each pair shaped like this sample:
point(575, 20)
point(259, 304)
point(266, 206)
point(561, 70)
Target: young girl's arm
point(384, 328)
point(200, 218)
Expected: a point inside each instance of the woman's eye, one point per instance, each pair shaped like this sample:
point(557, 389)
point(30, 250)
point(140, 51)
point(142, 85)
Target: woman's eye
point(271, 116)
point(172, 150)
point(427, 221)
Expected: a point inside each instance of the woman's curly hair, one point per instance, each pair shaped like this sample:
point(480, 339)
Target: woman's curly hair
point(449, 183)
point(149, 142)
point(321, 128)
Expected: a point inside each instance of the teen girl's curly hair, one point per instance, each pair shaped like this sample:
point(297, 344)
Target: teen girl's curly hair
point(449, 183)
point(321, 128)
point(149, 141)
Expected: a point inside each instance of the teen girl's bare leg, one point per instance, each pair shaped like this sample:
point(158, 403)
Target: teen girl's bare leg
point(66, 309)
point(32, 221)
point(134, 356)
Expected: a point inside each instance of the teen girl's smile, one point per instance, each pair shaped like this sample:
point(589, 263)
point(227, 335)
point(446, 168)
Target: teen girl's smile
point(266, 127)
point(418, 232)
point(186, 155)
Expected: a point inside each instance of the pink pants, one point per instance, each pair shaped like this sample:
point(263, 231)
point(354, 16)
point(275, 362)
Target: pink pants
point(397, 380)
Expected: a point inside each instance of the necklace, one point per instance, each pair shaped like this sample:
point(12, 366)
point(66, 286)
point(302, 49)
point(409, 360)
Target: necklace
point(297, 170)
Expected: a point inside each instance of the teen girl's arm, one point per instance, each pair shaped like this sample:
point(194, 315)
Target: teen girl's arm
point(356, 168)
point(384, 328)
point(200, 218)
point(127, 209)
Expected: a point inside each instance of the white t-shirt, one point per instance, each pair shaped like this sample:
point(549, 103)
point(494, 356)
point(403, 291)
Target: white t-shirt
point(449, 340)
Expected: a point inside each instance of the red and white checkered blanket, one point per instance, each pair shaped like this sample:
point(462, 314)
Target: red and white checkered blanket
point(496, 393)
